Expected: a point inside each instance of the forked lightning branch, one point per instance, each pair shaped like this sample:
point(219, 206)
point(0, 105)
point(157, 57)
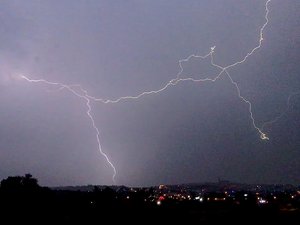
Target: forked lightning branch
point(82, 94)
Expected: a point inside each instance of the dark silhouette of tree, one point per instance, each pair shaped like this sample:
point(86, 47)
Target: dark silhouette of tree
point(11, 184)
point(23, 200)
point(20, 183)
point(29, 182)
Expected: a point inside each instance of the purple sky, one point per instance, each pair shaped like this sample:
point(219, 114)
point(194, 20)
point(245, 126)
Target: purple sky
point(192, 132)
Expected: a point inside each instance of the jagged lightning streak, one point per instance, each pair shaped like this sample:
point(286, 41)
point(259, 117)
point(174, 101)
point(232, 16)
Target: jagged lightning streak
point(223, 70)
point(263, 136)
point(172, 82)
point(88, 112)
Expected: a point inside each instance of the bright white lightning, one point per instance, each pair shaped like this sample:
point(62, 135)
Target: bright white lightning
point(88, 112)
point(263, 136)
point(177, 80)
point(173, 82)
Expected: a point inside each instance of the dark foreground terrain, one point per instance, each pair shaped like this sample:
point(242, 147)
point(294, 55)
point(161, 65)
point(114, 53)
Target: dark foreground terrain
point(22, 200)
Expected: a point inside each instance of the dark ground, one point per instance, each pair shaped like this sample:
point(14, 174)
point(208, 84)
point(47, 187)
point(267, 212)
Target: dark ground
point(22, 200)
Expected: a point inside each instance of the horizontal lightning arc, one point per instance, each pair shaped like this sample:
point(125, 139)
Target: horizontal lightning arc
point(224, 70)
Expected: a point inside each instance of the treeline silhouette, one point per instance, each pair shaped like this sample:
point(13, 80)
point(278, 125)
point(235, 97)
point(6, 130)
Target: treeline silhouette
point(23, 200)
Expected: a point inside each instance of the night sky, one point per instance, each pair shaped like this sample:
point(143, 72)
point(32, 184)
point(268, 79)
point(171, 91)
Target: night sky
point(191, 132)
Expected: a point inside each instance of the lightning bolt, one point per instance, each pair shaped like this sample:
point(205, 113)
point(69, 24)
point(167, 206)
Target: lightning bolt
point(83, 94)
point(223, 70)
point(88, 112)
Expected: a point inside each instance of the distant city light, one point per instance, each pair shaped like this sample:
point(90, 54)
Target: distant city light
point(200, 199)
point(262, 201)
